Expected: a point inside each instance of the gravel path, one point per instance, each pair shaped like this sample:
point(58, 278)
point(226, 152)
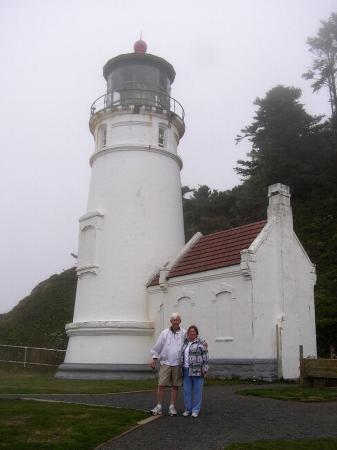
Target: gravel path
point(225, 418)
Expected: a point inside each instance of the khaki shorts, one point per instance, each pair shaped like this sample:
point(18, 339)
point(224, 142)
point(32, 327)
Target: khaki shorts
point(170, 376)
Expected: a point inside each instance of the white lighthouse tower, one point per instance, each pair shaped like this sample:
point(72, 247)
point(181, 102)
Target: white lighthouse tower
point(134, 220)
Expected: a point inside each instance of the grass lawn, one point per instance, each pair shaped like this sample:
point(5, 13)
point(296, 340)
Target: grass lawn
point(296, 393)
point(32, 381)
point(26, 425)
point(17, 380)
point(303, 444)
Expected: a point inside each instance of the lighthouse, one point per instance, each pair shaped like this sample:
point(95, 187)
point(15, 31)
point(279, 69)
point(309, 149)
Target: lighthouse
point(133, 224)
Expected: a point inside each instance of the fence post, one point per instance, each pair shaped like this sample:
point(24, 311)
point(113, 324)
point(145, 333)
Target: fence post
point(301, 366)
point(25, 360)
point(278, 352)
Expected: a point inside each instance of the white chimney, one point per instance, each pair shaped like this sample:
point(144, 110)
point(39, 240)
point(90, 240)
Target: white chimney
point(279, 204)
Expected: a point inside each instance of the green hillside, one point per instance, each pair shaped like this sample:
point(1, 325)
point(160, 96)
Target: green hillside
point(39, 319)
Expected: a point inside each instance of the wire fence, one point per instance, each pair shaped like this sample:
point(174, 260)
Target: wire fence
point(27, 356)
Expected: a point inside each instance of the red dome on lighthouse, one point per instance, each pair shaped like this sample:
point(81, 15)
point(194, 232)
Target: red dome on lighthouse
point(140, 46)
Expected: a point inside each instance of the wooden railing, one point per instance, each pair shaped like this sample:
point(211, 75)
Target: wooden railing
point(318, 370)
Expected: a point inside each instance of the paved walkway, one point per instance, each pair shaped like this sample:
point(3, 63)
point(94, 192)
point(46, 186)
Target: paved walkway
point(225, 418)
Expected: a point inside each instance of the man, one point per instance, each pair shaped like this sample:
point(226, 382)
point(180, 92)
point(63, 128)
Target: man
point(167, 350)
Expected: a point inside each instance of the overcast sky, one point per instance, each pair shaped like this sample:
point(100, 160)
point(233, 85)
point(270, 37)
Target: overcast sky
point(226, 53)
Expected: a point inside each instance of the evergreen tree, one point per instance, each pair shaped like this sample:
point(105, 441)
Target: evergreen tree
point(294, 148)
point(323, 72)
point(280, 135)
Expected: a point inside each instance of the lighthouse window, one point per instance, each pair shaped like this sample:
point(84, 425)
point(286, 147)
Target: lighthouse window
point(116, 98)
point(161, 136)
point(102, 136)
point(87, 245)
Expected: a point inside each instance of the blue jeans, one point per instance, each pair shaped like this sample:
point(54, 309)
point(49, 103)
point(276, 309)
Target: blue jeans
point(192, 391)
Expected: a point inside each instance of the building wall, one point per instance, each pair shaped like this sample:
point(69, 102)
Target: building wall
point(264, 271)
point(217, 301)
point(133, 225)
point(306, 301)
point(134, 209)
point(298, 324)
point(254, 315)
point(283, 290)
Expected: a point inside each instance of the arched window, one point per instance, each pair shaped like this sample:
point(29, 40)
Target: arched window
point(90, 224)
point(223, 315)
point(87, 246)
point(185, 309)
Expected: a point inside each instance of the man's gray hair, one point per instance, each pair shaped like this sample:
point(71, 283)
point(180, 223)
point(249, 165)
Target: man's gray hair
point(175, 315)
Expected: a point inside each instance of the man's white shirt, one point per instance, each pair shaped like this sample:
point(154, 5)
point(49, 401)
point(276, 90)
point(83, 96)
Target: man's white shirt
point(168, 347)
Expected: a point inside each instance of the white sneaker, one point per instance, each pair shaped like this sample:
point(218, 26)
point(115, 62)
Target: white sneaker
point(172, 411)
point(195, 414)
point(186, 413)
point(156, 411)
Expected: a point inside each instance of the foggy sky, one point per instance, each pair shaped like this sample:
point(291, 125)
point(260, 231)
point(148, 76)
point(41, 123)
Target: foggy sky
point(225, 53)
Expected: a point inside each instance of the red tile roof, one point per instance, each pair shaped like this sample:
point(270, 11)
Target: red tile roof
point(215, 250)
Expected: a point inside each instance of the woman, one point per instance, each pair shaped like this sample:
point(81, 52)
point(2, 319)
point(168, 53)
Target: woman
point(195, 367)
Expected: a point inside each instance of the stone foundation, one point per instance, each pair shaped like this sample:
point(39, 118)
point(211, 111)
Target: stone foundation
point(77, 371)
point(260, 369)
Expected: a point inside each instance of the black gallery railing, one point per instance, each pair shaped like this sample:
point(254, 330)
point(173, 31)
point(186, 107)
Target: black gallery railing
point(138, 98)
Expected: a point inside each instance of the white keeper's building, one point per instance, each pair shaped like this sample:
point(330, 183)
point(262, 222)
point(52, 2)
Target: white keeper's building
point(250, 289)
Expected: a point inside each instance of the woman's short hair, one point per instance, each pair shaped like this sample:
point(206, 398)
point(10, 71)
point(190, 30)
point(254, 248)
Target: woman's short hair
point(193, 327)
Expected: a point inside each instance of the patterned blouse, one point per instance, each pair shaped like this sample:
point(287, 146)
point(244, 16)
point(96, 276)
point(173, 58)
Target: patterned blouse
point(197, 358)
